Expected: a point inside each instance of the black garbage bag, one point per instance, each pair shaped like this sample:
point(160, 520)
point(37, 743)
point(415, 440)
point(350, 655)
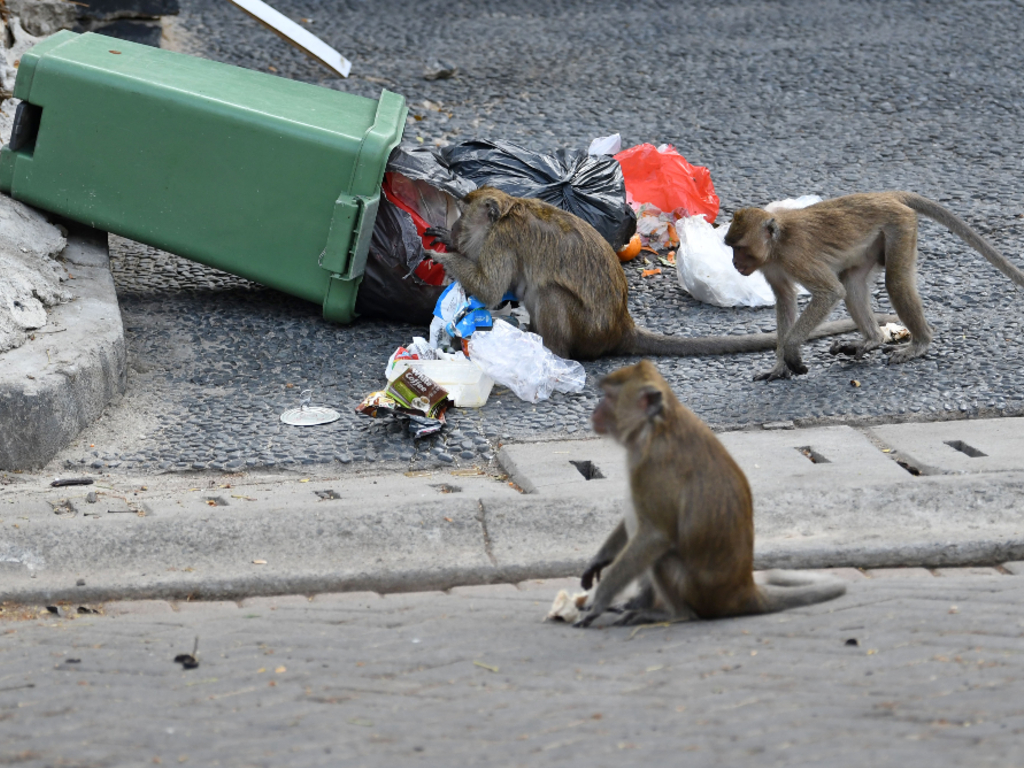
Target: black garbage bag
point(390, 290)
point(590, 186)
point(424, 164)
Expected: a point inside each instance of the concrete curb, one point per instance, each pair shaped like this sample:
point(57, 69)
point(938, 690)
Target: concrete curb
point(160, 537)
point(54, 386)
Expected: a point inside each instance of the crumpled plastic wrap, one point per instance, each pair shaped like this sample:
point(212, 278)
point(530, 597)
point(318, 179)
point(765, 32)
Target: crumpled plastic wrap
point(520, 361)
point(704, 266)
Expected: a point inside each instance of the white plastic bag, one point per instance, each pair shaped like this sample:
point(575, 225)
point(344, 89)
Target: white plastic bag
point(704, 266)
point(521, 362)
point(704, 262)
point(793, 202)
point(606, 145)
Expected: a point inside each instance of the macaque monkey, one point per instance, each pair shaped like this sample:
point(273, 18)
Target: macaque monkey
point(568, 278)
point(689, 536)
point(832, 249)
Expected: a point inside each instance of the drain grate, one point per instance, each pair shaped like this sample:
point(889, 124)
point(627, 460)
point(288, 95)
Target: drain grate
point(588, 469)
point(813, 455)
point(960, 445)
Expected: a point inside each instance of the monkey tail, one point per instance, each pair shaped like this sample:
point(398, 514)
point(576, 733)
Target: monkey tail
point(644, 342)
point(962, 229)
point(792, 589)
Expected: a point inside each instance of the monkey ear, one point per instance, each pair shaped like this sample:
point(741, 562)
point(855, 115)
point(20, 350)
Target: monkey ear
point(772, 226)
point(651, 402)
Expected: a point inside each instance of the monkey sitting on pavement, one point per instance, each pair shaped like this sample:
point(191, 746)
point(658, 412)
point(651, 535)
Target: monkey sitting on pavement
point(832, 249)
point(568, 278)
point(689, 536)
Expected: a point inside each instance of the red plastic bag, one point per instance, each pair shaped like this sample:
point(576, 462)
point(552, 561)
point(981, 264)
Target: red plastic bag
point(666, 180)
point(428, 270)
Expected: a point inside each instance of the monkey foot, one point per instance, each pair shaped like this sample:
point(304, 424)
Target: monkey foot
point(844, 348)
point(781, 371)
point(585, 621)
point(855, 350)
point(907, 352)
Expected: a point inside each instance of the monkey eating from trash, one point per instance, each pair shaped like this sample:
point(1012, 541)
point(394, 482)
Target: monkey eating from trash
point(689, 534)
point(568, 278)
point(832, 249)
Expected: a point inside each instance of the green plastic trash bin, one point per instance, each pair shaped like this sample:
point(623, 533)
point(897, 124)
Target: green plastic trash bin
point(263, 177)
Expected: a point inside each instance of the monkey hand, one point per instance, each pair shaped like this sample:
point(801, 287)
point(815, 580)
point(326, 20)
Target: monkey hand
point(593, 573)
point(441, 235)
point(586, 620)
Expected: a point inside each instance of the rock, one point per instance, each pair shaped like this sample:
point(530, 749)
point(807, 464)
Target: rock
point(44, 17)
point(30, 278)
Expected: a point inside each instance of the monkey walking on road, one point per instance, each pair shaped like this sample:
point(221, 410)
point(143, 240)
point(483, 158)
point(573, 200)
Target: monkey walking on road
point(832, 249)
point(568, 278)
point(689, 536)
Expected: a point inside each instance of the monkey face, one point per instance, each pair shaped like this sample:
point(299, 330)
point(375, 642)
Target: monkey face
point(743, 261)
point(603, 417)
point(749, 239)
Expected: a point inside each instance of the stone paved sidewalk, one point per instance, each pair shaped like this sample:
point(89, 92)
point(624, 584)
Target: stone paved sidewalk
point(910, 668)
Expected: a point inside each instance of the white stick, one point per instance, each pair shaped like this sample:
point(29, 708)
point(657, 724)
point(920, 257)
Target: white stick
point(298, 36)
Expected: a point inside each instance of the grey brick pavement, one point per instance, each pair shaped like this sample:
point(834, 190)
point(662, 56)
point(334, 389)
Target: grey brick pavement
point(920, 670)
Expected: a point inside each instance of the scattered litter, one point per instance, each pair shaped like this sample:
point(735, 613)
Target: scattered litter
point(468, 472)
point(306, 415)
point(893, 332)
point(854, 383)
point(656, 227)
point(488, 667)
point(606, 145)
point(72, 481)
point(439, 70)
point(189, 660)
point(298, 36)
point(662, 177)
point(413, 396)
point(704, 266)
point(631, 249)
point(259, 562)
point(466, 383)
point(416, 392)
point(566, 608)
point(651, 272)
point(520, 361)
